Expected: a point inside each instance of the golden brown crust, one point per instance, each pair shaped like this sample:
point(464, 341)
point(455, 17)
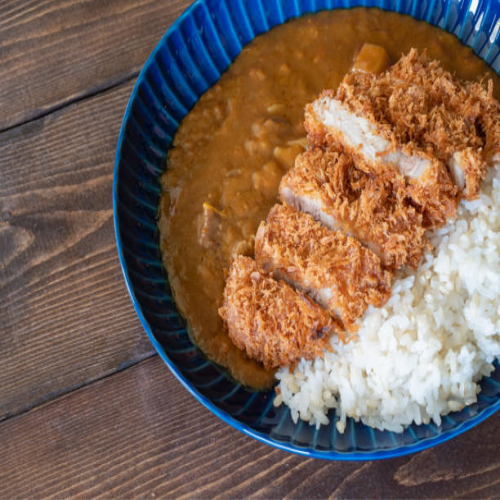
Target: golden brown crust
point(420, 105)
point(370, 209)
point(433, 194)
point(295, 246)
point(273, 323)
point(317, 132)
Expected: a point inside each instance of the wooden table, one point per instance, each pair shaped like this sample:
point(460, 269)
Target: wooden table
point(86, 406)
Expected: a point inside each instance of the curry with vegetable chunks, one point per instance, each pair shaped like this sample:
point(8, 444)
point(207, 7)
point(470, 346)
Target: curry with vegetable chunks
point(244, 133)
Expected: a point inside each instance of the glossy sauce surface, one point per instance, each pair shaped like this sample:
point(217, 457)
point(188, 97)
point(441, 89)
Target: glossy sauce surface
point(232, 149)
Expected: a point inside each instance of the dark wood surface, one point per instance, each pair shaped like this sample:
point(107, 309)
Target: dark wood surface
point(54, 52)
point(139, 434)
point(86, 407)
point(66, 318)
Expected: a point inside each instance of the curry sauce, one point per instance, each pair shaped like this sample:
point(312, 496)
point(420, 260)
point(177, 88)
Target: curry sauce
point(241, 137)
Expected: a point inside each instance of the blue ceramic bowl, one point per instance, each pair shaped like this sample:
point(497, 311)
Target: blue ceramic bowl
point(191, 57)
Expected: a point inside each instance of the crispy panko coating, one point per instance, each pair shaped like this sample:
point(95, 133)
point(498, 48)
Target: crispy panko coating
point(424, 109)
point(331, 123)
point(327, 185)
point(334, 269)
point(273, 323)
point(442, 114)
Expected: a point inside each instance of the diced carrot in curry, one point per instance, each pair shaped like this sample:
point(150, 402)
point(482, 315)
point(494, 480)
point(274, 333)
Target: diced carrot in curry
point(371, 59)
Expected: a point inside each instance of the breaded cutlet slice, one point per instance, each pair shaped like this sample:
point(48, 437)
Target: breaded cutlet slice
point(414, 112)
point(327, 185)
point(271, 321)
point(334, 269)
point(457, 121)
point(332, 123)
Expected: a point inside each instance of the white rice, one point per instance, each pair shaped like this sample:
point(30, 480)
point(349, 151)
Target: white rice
point(421, 355)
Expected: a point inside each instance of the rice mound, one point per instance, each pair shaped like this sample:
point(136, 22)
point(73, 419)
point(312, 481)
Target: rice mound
point(422, 355)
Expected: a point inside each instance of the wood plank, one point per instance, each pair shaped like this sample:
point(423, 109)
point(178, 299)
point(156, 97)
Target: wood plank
point(56, 51)
point(139, 433)
point(66, 318)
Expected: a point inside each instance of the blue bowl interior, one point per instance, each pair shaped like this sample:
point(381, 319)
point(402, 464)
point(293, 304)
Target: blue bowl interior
point(192, 55)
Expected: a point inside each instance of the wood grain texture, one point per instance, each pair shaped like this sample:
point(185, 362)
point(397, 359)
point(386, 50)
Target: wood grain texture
point(65, 318)
point(140, 434)
point(56, 51)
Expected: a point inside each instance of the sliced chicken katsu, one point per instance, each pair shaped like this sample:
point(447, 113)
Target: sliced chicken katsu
point(327, 185)
point(457, 121)
point(334, 269)
point(330, 122)
point(271, 321)
point(419, 120)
